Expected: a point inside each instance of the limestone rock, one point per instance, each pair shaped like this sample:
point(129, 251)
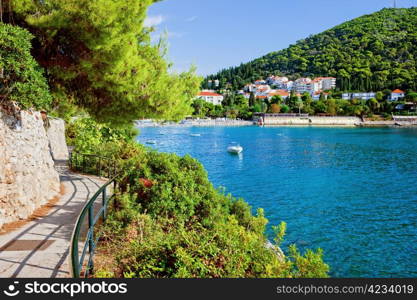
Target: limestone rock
point(56, 137)
point(28, 179)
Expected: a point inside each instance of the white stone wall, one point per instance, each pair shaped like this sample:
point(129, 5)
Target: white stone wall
point(28, 179)
point(56, 137)
point(313, 120)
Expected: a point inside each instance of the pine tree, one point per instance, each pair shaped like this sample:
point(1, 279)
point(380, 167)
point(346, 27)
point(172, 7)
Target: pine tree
point(99, 53)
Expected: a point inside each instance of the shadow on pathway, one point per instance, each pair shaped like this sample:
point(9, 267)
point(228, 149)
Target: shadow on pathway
point(40, 248)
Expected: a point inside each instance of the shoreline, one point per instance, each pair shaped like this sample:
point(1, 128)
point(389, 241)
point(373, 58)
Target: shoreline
point(241, 123)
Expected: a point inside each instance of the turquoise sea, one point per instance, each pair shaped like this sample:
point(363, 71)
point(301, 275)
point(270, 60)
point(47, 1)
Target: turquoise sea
point(350, 191)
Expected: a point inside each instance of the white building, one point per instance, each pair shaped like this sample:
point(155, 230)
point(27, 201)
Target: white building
point(278, 81)
point(360, 96)
point(319, 84)
point(327, 83)
point(260, 82)
point(303, 85)
point(262, 88)
point(211, 97)
point(397, 95)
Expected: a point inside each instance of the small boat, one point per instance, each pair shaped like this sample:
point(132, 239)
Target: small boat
point(195, 134)
point(151, 142)
point(235, 149)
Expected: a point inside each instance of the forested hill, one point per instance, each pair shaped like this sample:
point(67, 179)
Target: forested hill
point(372, 52)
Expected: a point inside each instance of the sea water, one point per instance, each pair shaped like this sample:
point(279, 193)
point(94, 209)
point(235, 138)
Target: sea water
point(350, 191)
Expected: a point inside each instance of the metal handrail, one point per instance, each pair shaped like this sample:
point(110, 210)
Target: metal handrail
point(79, 162)
point(77, 262)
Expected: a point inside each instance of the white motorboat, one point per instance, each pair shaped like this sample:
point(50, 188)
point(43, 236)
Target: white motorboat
point(235, 149)
point(195, 135)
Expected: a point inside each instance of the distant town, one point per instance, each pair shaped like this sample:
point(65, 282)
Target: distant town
point(318, 96)
point(283, 87)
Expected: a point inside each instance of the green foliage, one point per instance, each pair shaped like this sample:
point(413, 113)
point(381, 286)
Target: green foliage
point(86, 135)
point(412, 96)
point(99, 54)
point(280, 233)
point(308, 266)
point(276, 100)
point(21, 79)
point(168, 221)
point(205, 109)
point(233, 106)
point(285, 109)
point(374, 105)
point(372, 52)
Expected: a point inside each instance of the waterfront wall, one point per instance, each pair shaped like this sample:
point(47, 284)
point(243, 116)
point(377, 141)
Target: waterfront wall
point(196, 123)
point(311, 120)
point(28, 178)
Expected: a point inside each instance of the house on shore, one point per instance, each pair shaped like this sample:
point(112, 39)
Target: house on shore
point(211, 97)
point(397, 95)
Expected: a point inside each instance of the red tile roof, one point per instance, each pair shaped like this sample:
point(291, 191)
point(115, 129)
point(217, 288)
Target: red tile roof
point(281, 93)
point(209, 94)
point(398, 91)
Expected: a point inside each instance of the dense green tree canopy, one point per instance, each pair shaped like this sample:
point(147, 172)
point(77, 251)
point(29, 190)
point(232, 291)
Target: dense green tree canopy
point(372, 52)
point(21, 78)
point(99, 53)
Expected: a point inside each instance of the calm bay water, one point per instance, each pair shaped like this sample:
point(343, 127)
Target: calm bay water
point(350, 191)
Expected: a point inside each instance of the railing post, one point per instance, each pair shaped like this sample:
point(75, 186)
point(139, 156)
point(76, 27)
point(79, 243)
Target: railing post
point(104, 205)
point(99, 167)
point(75, 259)
point(70, 160)
point(91, 237)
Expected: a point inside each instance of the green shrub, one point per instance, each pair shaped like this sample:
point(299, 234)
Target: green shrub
point(87, 135)
point(21, 78)
point(170, 222)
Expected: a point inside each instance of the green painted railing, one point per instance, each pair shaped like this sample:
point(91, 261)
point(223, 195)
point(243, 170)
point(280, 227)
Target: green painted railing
point(95, 210)
point(92, 164)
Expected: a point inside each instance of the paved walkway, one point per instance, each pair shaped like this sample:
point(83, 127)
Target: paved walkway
point(40, 248)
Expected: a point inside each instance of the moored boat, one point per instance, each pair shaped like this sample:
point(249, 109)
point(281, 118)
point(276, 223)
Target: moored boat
point(235, 149)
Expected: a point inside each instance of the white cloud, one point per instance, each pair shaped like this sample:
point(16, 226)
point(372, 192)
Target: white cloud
point(152, 21)
point(172, 34)
point(156, 36)
point(191, 19)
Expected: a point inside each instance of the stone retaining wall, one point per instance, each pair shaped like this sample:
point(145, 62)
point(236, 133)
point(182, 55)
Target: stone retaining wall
point(56, 137)
point(27, 176)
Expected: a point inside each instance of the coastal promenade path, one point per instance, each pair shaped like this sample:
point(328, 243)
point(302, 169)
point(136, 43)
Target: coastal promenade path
point(40, 248)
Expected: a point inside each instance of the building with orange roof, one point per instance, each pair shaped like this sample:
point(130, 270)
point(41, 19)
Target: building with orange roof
point(210, 97)
point(397, 95)
point(282, 93)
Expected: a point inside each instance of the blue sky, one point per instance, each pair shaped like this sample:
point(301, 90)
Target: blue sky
point(221, 33)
